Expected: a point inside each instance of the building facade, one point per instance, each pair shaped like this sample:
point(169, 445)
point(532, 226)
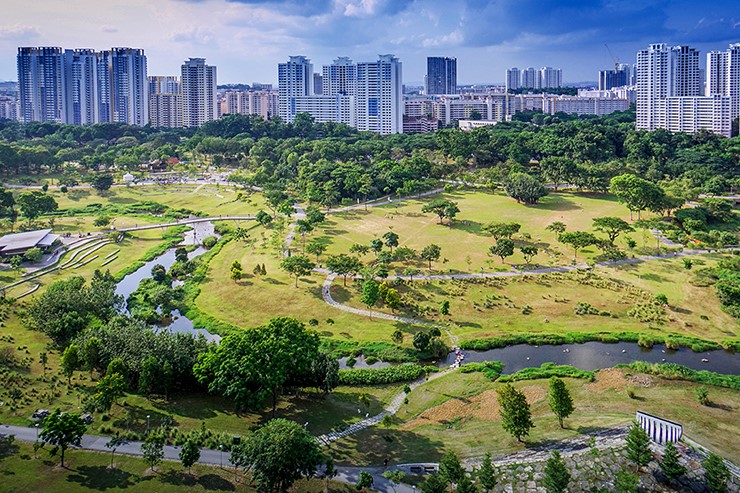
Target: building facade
point(128, 77)
point(618, 77)
point(441, 75)
point(380, 96)
point(198, 92)
point(295, 79)
point(513, 79)
point(551, 77)
point(41, 84)
point(165, 101)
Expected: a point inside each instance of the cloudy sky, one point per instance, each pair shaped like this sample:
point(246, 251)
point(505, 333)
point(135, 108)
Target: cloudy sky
point(246, 39)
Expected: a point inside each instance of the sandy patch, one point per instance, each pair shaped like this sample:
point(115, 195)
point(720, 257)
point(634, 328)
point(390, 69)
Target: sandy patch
point(483, 406)
point(614, 378)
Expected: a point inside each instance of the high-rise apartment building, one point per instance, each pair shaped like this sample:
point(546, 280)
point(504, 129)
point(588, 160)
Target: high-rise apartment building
point(129, 101)
point(441, 75)
point(513, 79)
point(620, 76)
point(551, 77)
point(295, 79)
point(318, 83)
point(104, 87)
point(723, 76)
point(669, 90)
point(41, 84)
point(531, 79)
point(198, 82)
point(340, 77)
point(380, 95)
point(81, 87)
point(165, 101)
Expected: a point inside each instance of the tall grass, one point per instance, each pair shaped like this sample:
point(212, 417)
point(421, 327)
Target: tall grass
point(674, 371)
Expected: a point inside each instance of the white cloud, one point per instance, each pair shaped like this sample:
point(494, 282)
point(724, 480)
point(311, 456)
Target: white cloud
point(18, 31)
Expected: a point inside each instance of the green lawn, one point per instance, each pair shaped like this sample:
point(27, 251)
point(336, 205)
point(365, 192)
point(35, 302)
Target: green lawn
point(464, 244)
point(90, 471)
point(460, 412)
point(490, 307)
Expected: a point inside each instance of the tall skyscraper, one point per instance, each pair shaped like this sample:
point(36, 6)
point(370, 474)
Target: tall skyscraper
point(441, 75)
point(513, 79)
point(340, 77)
point(380, 95)
point(41, 84)
point(165, 101)
point(198, 93)
point(531, 79)
point(551, 77)
point(723, 76)
point(81, 87)
point(295, 79)
point(318, 83)
point(105, 89)
point(620, 76)
point(130, 101)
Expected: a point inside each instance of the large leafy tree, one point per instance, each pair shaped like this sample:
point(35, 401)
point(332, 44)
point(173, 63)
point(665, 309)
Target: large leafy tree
point(561, 403)
point(35, 203)
point(297, 266)
point(503, 248)
point(525, 188)
point(636, 193)
point(189, 453)
point(250, 366)
point(502, 230)
point(280, 453)
point(344, 265)
point(516, 416)
point(430, 253)
point(612, 227)
point(558, 170)
point(445, 209)
point(102, 182)
point(578, 240)
point(62, 430)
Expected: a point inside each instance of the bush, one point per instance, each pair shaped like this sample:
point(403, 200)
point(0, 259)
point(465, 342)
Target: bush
point(646, 341)
point(675, 371)
point(101, 221)
point(371, 360)
point(377, 376)
point(548, 370)
point(209, 241)
point(491, 369)
point(351, 361)
point(583, 308)
point(33, 255)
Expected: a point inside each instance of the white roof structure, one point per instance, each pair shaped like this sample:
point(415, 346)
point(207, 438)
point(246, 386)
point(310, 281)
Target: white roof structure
point(18, 243)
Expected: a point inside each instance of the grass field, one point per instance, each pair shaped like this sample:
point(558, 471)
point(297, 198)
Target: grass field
point(464, 244)
point(546, 303)
point(90, 471)
point(460, 412)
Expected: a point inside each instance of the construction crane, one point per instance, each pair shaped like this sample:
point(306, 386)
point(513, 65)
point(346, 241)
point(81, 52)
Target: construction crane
point(614, 59)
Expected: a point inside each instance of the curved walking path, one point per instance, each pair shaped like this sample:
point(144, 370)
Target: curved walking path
point(182, 222)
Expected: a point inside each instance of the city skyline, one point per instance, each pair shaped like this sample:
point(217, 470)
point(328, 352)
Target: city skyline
point(246, 39)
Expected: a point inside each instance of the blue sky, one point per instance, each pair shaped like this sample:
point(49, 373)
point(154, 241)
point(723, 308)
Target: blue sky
point(246, 39)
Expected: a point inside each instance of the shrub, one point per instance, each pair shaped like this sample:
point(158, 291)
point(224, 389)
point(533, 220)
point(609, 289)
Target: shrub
point(645, 341)
point(583, 308)
point(702, 395)
point(377, 376)
point(351, 361)
point(371, 360)
point(679, 372)
point(548, 370)
point(209, 241)
point(33, 255)
point(313, 322)
point(491, 369)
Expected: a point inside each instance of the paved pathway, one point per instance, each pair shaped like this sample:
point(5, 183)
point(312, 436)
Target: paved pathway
point(181, 222)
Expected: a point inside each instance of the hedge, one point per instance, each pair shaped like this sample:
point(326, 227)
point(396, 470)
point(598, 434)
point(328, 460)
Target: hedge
point(389, 374)
point(674, 371)
point(491, 369)
point(548, 370)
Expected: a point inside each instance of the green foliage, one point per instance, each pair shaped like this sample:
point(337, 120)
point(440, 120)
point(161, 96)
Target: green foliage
point(107, 391)
point(678, 372)
point(209, 241)
point(297, 266)
point(502, 230)
point(636, 193)
point(365, 481)
point(516, 417)
point(578, 240)
point(62, 430)
point(557, 476)
point(626, 482)
point(702, 395)
point(450, 469)
point(716, 474)
point(487, 474)
point(548, 370)
point(442, 208)
point(503, 248)
point(35, 203)
point(524, 188)
point(612, 227)
point(491, 369)
point(434, 484)
point(33, 255)
point(70, 361)
point(638, 445)
point(561, 403)
point(370, 293)
point(189, 453)
point(378, 376)
point(670, 464)
point(152, 450)
point(102, 182)
point(430, 253)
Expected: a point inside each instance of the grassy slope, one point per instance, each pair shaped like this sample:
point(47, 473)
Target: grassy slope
point(470, 425)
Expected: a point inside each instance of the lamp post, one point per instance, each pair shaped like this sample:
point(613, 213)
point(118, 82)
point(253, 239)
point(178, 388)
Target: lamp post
point(37, 431)
point(147, 423)
point(221, 448)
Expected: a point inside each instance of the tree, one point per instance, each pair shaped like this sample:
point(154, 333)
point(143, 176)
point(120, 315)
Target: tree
point(240, 234)
point(365, 481)
point(524, 188)
point(404, 254)
point(149, 376)
point(393, 299)
point(263, 218)
point(578, 240)
point(487, 474)
point(636, 193)
point(236, 270)
point(391, 240)
point(612, 227)
point(466, 485)
point(108, 390)
point(44, 360)
point(450, 468)
point(397, 337)
point(434, 484)
point(62, 430)
point(444, 307)
point(303, 227)
point(626, 482)
point(442, 208)
point(35, 203)
point(558, 170)
point(359, 249)
point(502, 230)
point(376, 245)
point(529, 252)
point(421, 340)
point(557, 476)
point(70, 361)
point(370, 293)
point(152, 450)
point(102, 182)
point(503, 248)
point(638, 445)
point(315, 247)
point(516, 416)
point(297, 266)
point(113, 444)
point(251, 365)
point(344, 265)
point(557, 227)
point(430, 253)
point(561, 403)
point(395, 476)
point(189, 453)
point(670, 465)
point(716, 474)
point(330, 472)
point(281, 452)
point(702, 395)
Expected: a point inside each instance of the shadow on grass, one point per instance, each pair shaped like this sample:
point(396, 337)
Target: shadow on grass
point(102, 478)
point(136, 419)
point(372, 447)
point(209, 482)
